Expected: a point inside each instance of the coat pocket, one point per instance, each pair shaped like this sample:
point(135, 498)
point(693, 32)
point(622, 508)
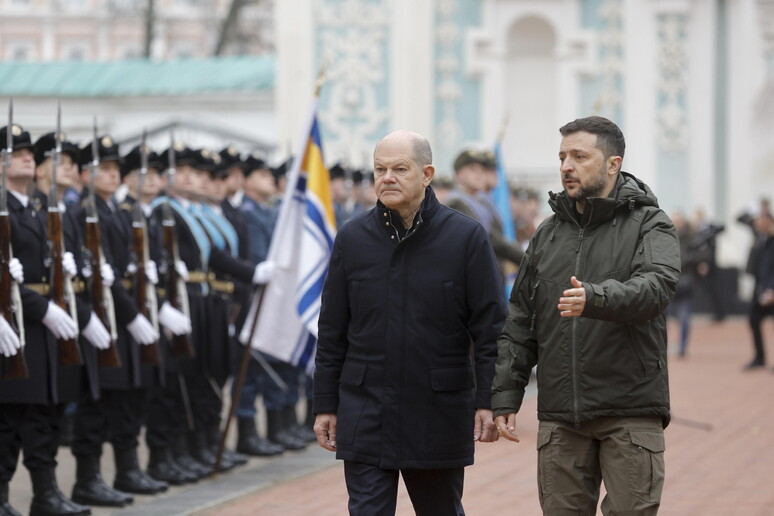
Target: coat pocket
point(450, 408)
point(352, 401)
point(545, 461)
point(646, 464)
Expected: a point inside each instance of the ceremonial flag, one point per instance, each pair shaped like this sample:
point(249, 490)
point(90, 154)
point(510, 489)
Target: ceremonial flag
point(301, 247)
point(501, 196)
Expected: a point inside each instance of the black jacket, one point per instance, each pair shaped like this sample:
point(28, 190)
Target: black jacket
point(407, 336)
point(612, 360)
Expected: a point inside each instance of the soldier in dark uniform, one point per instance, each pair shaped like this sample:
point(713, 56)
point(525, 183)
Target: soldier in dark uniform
point(117, 416)
point(202, 251)
point(31, 408)
point(90, 488)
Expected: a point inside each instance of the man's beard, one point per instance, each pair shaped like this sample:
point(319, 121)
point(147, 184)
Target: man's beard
point(592, 190)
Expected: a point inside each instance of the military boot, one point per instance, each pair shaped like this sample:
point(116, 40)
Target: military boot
point(162, 466)
point(279, 433)
point(90, 489)
point(48, 500)
point(183, 458)
point(301, 431)
point(130, 478)
point(5, 506)
point(214, 437)
point(250, 443)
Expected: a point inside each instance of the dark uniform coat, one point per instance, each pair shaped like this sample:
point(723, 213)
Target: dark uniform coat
point(407, 337)
point(28, 240)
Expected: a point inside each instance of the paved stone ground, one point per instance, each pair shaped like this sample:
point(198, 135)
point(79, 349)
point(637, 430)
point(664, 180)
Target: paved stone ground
point(720, 454)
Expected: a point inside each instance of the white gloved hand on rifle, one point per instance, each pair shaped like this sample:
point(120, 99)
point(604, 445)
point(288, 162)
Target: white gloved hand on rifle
point(181, 270)
point(59, 322)
point(174, 320)
point(142, 330)
point(17, 270)
point(96, 333)
point(68, 264)
point(152, 272)
point(9, 341)
point(108, 276)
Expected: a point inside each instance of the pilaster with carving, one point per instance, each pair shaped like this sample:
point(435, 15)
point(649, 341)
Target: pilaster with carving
point(671, 115)
point(353, 42)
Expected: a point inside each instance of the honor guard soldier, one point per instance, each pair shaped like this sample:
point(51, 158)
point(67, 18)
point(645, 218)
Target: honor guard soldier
point(119, 412)
point(201, 255)
point(64, 234)
point(31, 408)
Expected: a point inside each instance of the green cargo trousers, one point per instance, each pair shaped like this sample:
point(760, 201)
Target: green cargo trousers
point(627, 453)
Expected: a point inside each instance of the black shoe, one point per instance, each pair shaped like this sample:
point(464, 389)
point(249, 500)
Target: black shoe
point(48, 500)
point(250, 443)
point(755, 364)
point(200, 449)
point(238, 459)
point(131, 479)
point(183, 458)
point(91, 489)
point(162, 467)
point(278, 431)
point(295, 428)
point(5, 507)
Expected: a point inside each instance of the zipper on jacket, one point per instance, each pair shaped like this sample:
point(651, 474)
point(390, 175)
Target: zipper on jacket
point(534, 310)
point(575, 338)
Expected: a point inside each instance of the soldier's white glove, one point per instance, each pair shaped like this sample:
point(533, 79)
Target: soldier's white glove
point(108, 276)
point(264, 272)
point(181, 270)
point(9, 341)
point(96, 333)
point(142, 330)
point(59, 322)
point(151, 272)
point(16, 269)
point(68, 264)
point(174, 320)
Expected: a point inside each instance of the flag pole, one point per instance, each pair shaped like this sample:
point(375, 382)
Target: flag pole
point(258, 302)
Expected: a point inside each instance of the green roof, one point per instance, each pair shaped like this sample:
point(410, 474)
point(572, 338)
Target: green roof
point(139, 77)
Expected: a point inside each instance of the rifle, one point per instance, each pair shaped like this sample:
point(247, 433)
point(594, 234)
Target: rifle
point(145, 292)
point(101, 297)
point(177, 294)
point(10, 300)
point(61, 287)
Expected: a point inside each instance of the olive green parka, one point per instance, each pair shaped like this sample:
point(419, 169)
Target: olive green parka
point(611, 361)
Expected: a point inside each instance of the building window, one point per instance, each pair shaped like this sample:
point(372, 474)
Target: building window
point(20, 52)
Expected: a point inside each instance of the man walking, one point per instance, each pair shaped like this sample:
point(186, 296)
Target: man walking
point(588, 309)
point(410, 312)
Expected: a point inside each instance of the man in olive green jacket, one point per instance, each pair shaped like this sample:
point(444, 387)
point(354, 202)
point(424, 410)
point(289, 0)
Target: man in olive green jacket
point(588, 309)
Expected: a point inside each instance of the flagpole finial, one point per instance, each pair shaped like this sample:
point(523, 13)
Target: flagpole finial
point(503, 125)
point(320, 77)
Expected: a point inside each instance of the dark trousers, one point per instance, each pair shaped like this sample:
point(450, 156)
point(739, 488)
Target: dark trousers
point(206, 401)
point(373, 491)
point(167, 413)
point(32, 428)
point(757, 314)
point(116, 417)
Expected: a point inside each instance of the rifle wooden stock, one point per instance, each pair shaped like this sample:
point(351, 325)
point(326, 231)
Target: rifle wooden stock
point(69, 352)
point(107, 357)
point(149, 354)
point(181, 344)
point(16, 365)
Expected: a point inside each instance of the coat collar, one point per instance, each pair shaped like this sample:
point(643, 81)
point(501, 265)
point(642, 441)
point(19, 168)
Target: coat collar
point(429, 207)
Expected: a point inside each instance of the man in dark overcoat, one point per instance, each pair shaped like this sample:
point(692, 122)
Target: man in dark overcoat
point(411, 310)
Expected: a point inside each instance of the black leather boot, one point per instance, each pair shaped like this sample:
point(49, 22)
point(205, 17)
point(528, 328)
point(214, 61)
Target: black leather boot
point(48, 500)
point(162, 466)
point(301, 431)
point(5, 506)
point(250, 443)
point(90, 489)
point(214, 437)
point(188, 463)
point(130, 478)
point(200, 450)
point(279, 433)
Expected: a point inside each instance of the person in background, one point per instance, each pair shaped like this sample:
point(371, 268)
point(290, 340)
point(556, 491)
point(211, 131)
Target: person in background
point(762, 303)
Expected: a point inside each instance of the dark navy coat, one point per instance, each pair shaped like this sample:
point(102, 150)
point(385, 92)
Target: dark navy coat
point(407, 337)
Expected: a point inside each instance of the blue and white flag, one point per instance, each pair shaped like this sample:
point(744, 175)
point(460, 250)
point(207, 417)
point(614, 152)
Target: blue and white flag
point(301, 247)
